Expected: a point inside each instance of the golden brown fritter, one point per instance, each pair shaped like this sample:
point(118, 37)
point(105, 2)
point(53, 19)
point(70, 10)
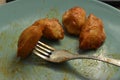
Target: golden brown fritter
point(53, 29)
point(50, 28)
point(74, 19)
point(28, 40)
point(92, 34)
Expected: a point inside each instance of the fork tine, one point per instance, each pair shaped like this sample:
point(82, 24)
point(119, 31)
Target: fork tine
point(43, 50)
point(38, 54)
point(46, 46)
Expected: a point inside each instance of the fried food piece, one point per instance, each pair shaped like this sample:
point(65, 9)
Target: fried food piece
point(50, 28)
point(28, 40)
point(53, 29)
point(74, 19)
point(92, 34)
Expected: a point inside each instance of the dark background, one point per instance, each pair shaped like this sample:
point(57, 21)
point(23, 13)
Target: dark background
point(9, 0)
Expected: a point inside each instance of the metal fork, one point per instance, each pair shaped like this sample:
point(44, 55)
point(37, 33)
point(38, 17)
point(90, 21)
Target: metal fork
point(57, 56)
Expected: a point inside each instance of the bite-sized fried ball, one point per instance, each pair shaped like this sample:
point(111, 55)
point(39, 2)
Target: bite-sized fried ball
point(92, 33)
point(28, 40)
point(74, 19)
point(53, 29)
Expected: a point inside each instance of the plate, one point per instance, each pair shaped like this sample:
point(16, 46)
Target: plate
point(17, 15)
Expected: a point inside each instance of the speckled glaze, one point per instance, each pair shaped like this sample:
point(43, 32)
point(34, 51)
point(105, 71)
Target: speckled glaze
point(17, 15)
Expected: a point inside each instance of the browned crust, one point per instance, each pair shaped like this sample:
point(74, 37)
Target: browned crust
point(49, 28)
point(53, 29)
point(74, 19)
point(92, 34)
point(28, 40)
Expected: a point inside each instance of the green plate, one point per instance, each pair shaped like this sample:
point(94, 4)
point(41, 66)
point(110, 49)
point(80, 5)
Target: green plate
point(17, 15)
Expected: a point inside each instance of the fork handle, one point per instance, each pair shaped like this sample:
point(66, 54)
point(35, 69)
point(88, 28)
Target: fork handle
point(100, 58)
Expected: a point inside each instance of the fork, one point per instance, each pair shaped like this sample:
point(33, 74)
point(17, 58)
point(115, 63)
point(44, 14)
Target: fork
point(50, 54)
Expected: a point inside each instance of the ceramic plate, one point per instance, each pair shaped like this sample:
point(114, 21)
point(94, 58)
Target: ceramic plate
point(17, 15)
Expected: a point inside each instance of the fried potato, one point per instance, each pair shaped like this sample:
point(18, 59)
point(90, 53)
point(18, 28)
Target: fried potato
point(53, 29)
point(92, 33)
point(28, 40)
point(73, 20)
